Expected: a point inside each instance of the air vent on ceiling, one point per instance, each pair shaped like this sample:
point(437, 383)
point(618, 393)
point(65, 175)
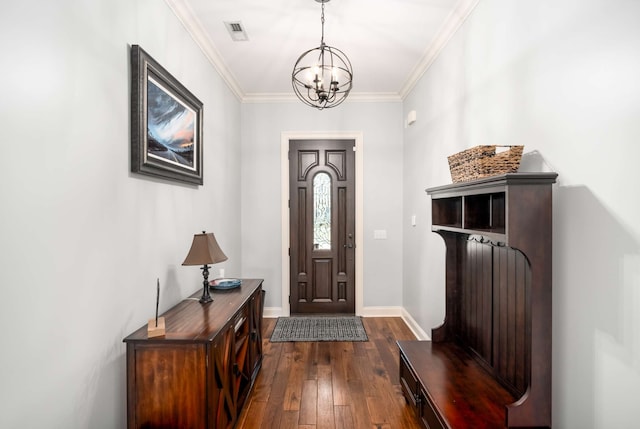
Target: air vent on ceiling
point(236, 30)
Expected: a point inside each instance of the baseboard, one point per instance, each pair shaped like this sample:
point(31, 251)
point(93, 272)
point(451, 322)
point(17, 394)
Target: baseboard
point(275, 312)
point(272, 312)
point(413, 325)
point(381, 312)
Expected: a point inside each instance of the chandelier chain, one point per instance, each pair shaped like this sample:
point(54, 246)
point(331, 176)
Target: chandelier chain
point(322, 22)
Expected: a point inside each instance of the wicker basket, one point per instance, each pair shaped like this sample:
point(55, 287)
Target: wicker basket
point(482, 161)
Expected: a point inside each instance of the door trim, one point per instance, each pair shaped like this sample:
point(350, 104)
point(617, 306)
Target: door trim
point(284, 185)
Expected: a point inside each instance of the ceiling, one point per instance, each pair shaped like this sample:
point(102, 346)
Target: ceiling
point(389, 43)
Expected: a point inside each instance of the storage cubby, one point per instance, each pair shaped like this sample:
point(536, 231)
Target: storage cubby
point(485, 212)
point(498, 212)
point(447, 212)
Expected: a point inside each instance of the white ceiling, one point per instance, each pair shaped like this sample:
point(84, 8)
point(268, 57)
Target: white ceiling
point(390, 43)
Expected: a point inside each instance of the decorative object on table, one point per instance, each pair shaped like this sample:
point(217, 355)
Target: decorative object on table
point(166, 123)
point(204, 251)
point(483, 161)
point(319, 328)
point(224, 284)
point(322, 77)
point(156, 327)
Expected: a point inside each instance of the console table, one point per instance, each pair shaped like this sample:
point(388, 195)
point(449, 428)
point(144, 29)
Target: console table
point(199, 374)
point(489, 364)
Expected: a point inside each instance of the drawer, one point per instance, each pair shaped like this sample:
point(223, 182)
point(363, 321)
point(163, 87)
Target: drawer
point(409, 382)
point(428, 414)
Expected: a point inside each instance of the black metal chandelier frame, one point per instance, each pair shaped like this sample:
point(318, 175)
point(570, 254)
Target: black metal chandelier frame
point(322, 77)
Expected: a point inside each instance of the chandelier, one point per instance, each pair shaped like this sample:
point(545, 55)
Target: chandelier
point(322, 77)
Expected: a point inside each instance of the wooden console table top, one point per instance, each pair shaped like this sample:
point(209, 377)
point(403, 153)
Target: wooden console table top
point(194, 322)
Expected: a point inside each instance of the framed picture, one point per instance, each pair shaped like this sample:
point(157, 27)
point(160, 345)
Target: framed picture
point(166, 123)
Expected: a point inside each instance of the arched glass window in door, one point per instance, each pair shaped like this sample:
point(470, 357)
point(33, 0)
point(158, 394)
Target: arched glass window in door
point(322, 211)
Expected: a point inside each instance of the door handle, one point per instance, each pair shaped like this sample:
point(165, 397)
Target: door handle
point(350, 243)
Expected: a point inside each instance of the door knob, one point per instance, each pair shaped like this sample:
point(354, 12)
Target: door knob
point(350, 244)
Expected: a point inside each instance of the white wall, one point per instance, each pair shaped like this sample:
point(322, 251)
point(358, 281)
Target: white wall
point(562, 78)
point(381, 126)
point(82, 239)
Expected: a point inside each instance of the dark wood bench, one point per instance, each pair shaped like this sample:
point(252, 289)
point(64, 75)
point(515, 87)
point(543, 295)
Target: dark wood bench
point(449, 388)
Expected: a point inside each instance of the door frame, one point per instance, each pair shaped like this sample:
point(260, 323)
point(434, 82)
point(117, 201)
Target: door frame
point(284, 179)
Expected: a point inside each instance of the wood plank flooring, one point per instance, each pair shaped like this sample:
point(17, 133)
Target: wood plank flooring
point(331, 385)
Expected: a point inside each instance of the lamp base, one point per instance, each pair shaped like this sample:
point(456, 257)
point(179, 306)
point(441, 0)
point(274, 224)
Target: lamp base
point(154, 330)
point(206, 296)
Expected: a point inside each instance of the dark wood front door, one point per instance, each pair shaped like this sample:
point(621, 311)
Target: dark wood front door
point(322, 217)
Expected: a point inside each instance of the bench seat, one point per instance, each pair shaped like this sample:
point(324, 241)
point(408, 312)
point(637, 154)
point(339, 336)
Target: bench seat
point(449, 388)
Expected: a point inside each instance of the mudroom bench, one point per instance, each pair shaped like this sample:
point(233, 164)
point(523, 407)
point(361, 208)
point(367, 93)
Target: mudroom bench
point(448, 388)
point(489, 364)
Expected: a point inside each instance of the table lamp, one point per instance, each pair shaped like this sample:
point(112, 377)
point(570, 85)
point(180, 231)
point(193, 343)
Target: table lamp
point(204, 251)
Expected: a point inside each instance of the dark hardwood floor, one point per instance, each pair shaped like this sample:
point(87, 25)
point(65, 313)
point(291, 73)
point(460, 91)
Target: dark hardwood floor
point(336, 385)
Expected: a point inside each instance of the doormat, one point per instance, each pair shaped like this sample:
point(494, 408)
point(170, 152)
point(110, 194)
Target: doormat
point(321, 328)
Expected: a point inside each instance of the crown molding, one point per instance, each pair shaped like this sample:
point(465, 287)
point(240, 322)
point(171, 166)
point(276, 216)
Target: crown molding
point(378, 97)
point(354, 97)
point(182, 10)
point(450, 26)
point(269, 97)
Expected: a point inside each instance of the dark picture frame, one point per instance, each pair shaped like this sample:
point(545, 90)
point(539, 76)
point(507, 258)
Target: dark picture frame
point(166, 123)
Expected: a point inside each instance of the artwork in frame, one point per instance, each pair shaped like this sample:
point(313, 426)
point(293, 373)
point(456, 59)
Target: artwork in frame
point(166, 123)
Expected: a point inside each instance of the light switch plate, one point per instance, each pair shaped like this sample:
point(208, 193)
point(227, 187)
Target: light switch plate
point(380, 234)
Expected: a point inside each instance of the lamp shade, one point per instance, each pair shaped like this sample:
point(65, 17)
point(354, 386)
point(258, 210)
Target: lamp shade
point(204, 250)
